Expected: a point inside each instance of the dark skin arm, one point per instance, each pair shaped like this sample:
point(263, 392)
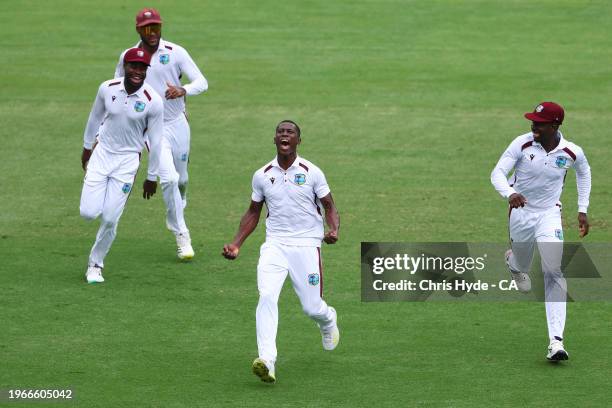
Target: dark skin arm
point(174, 92)
point(331, 218)
point(248, 223)
point(149, 188)
point(517, 200)
point(85, 156)
point(583, 224)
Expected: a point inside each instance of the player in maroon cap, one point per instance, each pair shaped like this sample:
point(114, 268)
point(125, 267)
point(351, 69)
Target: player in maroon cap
point(124, 108)
point(169, 63)
point(540, 160)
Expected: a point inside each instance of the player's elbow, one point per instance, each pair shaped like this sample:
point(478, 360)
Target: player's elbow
point(495, 175)
point(204, 85)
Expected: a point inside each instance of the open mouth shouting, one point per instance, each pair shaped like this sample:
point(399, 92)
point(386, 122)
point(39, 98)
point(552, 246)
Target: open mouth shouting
point(287, 137)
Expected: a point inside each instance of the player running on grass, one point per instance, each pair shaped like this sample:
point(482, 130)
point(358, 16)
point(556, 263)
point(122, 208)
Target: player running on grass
point(293, 190)
point(124, 108)
point(541, 159)
point(169, 62)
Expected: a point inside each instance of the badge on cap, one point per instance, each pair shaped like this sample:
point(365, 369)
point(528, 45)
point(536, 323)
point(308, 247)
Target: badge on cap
point(539, 109)
point(140, 53)
point(147, 14)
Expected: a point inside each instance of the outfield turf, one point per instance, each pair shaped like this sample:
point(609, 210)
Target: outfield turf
point(406, 106)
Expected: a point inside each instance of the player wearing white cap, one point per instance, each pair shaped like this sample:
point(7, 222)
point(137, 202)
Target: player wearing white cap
point(541, 159)
point(293, 190)
point(123, 109)
point(169, 62)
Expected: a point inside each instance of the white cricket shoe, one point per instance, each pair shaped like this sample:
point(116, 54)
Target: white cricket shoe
point(94, 274)
point(523, 282)
point(556, 351)
point(264, 370)
point(331, 336)
point(184, 249)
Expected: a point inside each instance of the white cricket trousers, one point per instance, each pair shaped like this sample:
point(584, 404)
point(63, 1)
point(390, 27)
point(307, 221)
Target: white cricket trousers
point(544, 228)
point(178, 134)
point(108, 182)
point(169, 179)
point(304, 266)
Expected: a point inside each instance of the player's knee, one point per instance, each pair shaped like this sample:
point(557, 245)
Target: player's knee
point(109, 218)
point(266, 298)
point(168, 183)
point(553, 273)
point(183, 179)
point(170, 177)
point(89, 213)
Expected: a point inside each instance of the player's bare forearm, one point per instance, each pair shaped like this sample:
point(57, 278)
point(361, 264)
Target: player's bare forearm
point(85, 156)
point(583, 224)
point(332, 219)
point(248, 223)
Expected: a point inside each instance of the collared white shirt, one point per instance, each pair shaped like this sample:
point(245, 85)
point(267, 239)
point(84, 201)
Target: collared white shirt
point(119, 120)
point(168, 64)
point(538, 175)
point(292, 198)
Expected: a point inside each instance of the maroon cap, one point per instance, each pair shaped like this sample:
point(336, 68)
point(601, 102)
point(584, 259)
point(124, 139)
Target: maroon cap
point(137, 55)
point(547, 112)
point(147, 16)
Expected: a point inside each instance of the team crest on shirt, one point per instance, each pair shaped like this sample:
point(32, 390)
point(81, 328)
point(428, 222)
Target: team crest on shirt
point(299, 179)
point(313, 279)
point(272, 180)
point(139, 106)
point(126, 188)
point(164, 58)
point(561, 161)
point(559, 234)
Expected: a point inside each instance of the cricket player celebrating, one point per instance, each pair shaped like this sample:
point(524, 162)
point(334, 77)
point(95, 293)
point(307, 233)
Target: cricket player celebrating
point(293, 189)
point(169, 62)
point(124, 108)
point(541, 159)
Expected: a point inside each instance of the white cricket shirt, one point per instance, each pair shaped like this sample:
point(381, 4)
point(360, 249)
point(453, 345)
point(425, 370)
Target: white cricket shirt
point(538, 175)
point(168, 64)
point(292, 198)
point(120, 120)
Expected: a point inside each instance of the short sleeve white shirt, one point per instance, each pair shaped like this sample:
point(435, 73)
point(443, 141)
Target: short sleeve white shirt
point(293, 202)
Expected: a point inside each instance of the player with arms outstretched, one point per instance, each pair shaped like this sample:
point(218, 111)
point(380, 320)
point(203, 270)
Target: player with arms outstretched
point(293, 190)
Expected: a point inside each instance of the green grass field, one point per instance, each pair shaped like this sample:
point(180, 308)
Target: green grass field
point(406, 106)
